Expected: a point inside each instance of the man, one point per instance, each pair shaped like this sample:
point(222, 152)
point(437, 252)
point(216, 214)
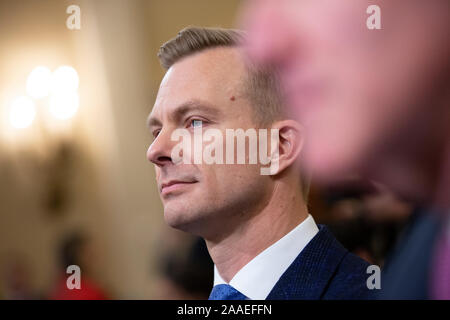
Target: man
point(257, 228)
point(377, 102)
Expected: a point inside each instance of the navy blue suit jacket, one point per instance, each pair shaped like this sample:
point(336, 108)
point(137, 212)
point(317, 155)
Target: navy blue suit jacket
point(414, 253)
point(324, 270)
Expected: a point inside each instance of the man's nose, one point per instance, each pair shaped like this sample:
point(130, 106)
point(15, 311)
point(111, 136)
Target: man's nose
point(159, 152)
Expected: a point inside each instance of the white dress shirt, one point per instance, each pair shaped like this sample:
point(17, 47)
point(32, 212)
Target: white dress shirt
point(258, 277)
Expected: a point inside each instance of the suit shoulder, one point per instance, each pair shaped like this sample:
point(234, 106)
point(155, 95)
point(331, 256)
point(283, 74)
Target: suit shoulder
point(350, 280)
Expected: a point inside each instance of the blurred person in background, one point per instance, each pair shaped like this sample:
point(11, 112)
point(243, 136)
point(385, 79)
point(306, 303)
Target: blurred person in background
point(259, 233)
point(76, 250)
point(365, 217)
point(375, 102)
point(186, 271)
point(15, 279)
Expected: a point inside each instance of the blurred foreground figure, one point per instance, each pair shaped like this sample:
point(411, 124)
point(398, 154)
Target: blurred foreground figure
point(375, 102)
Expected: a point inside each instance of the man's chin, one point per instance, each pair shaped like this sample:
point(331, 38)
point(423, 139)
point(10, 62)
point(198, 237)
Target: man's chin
point(183, 220)
point(178, 218)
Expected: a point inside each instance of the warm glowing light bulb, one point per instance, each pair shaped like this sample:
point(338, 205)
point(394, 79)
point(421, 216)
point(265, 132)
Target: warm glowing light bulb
point(64, 105)
point(22, 112)
point(38, 82)
point(64, 79)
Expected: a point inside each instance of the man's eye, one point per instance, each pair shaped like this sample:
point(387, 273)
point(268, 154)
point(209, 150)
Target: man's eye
point(156, 133)
point(196, 123)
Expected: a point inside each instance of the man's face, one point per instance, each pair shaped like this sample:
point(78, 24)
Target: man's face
point(362, 93)
point(203, 89)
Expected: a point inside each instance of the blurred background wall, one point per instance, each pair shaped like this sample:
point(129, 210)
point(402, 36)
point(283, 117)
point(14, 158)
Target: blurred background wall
point(87, 173)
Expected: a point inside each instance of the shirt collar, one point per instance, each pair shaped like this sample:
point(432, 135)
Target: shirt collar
point(258, 277)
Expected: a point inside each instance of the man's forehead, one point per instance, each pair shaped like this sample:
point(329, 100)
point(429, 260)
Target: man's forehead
point(218, 67)
point(213, 75)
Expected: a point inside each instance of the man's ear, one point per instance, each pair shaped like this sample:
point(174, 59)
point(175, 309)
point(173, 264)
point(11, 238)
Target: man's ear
point(291, 136)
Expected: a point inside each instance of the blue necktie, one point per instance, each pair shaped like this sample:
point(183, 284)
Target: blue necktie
point(226, 292)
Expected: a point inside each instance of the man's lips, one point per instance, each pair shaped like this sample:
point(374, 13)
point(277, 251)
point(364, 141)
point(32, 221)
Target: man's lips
point(174, 185)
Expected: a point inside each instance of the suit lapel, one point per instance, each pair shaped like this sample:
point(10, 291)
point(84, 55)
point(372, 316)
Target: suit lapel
point(310, 273)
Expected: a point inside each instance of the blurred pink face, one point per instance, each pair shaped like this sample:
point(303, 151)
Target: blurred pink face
point(362, 93)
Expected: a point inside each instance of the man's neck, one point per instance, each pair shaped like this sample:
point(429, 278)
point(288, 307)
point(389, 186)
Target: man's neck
point(283, 212)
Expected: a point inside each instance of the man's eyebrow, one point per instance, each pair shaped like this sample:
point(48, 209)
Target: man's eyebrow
point(153, 122)
point(183, 109)
point(194, 105)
